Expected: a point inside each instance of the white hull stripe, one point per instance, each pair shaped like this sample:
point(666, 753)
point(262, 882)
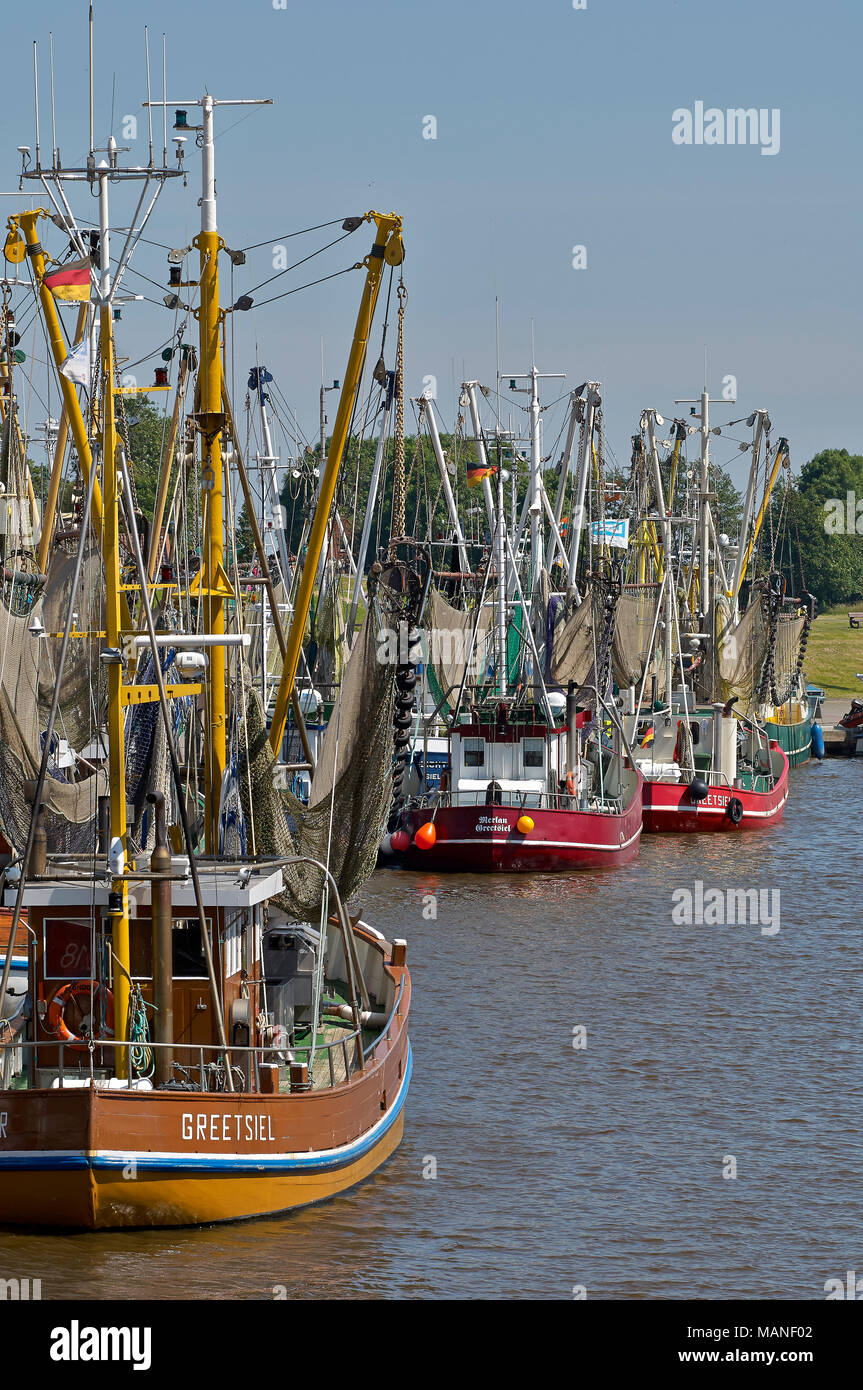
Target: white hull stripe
point(528, 843)
point(678, 810)
point(320, 1160)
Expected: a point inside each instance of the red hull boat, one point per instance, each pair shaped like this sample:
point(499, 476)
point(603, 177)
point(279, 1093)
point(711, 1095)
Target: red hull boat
point(670, 807)
point(480, 838)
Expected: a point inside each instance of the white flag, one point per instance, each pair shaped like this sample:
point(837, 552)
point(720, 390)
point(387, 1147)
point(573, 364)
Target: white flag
point(77, 365)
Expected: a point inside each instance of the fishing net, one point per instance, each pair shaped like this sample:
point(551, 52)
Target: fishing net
point(27, 677)
point(741, 650)
point(633, 629)
point(21, 583)
point(788, 635)
point(573, 641)
point(351, 787)
point(452, 653)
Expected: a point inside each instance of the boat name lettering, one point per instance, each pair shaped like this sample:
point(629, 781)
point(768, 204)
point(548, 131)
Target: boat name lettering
point(4, 1116)
point(222, 1129)
point(492, 823)
point(715, 799)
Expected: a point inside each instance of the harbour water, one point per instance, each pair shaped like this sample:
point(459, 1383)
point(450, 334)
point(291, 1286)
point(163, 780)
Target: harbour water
point(605, 1167)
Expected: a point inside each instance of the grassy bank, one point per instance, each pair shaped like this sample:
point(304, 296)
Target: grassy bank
point(835, 651)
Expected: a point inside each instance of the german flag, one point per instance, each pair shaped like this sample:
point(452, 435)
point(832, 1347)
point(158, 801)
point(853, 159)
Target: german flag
point(475, 474)
point(71, 282)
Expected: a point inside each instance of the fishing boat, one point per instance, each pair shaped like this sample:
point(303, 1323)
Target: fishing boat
point(514, 806)
point(537, 777)
point(706, 770)
point(208, 1034)
point(707, 765)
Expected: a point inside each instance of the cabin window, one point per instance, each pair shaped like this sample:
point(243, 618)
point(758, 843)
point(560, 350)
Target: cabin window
point(66, 949)
point(141, 949)
point(189, 961)
point(532, 752)
point(474, 752)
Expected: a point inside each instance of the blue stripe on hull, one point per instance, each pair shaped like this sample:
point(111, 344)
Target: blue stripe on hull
point(322, 1161)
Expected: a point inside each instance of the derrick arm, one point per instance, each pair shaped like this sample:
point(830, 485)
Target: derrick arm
point(387, 249)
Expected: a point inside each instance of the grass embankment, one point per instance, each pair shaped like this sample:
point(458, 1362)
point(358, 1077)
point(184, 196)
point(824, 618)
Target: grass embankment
point(835, 651)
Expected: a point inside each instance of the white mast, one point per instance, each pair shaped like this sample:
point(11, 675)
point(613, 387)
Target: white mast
point(427, 410)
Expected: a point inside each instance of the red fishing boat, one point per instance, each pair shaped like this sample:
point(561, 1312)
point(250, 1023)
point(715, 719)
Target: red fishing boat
point(736, 781)
point(523, 796)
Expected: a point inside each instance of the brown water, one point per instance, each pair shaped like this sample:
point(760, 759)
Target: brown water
point(602, 1166)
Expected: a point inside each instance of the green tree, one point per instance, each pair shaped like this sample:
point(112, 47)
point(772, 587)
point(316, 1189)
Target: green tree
point(831, 552)
point(148, 436)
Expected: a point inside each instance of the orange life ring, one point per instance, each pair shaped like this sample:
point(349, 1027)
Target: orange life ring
point(55, 1021)
point(442, 785)
point(570, 783)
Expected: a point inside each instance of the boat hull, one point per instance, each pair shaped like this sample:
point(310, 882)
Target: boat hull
point(794, 739)
point(131, 1185)
point(486, 839)
point(94, 1158)
point(667, 807)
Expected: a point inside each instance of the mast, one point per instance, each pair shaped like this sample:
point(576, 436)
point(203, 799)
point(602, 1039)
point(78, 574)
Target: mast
point(388, 249)
point(111, 557)
point(592, 400)
point(576, 409)
point(214, 587)
point(761, 418)
point(704, 517)
point(536, 483)
point(371, 502)
point(210, 319)
point(652, 419)
point(427, 410)
point(268, 461)
point(536, 556)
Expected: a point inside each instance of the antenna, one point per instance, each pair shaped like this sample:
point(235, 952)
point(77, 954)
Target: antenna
point(149, 104)
point(164, 106)
point(497, 351)
point(92, 140)
point(53, 127)
point(36, 100)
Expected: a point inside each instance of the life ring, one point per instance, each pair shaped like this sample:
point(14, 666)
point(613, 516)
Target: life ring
point(55, 1021)
point(735, 810)
point(570, 783)
point(442, 784)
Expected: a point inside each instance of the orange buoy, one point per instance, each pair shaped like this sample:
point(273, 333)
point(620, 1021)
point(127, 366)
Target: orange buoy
point(425, 836)
point(524, 825)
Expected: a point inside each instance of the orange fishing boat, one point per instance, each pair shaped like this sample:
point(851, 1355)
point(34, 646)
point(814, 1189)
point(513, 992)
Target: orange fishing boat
point(207, 1035)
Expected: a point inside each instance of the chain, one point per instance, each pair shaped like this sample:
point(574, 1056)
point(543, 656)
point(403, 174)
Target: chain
point(398, 524)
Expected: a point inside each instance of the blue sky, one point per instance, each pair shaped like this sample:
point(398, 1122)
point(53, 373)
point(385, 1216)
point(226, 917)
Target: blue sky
point(553, 130)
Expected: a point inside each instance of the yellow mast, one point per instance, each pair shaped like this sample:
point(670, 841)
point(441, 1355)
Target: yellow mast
point(782, 454)
point(214, 588)
point(113, 639)
point(388, 248)
point(212, 585)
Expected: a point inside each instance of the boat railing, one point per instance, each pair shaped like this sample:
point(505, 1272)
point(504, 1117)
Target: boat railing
point(519, 801)
point(265, 1069)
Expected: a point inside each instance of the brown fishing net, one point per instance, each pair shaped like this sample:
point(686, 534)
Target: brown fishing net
point(27, 677)
point(633, 628)
point(451, 650)
point(741, 651)
point(351, 786)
